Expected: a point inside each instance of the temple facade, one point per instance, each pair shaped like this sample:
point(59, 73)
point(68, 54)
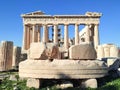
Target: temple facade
point(34, 22)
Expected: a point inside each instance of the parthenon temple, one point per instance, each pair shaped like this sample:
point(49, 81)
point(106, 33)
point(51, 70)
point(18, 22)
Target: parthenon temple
point(37, 22)
point(53, 54)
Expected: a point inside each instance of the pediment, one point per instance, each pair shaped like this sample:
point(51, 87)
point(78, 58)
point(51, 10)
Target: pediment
point(35, 13)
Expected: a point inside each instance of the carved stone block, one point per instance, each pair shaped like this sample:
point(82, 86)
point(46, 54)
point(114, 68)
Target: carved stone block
point(82, 51)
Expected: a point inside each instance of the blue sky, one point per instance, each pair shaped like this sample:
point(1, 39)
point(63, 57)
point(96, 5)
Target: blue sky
point(11, 26)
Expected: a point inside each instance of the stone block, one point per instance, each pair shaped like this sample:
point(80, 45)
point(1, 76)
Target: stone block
point(112, 63)
point(52, 51)
point(63, 69)
point(63, 53)
point(37, 51)
point(82, 51)
point(31, 82)
point(91, 83)
point(65, 85)
point(42, 51)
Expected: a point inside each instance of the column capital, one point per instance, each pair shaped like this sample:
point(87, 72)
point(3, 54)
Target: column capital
point(66, 24)
point(77, 24)
point(44, 24)
point(27, 25)
point(96, 24)
point(38, 24)
point(87, 24)
point(33, 24)
point(55, 24)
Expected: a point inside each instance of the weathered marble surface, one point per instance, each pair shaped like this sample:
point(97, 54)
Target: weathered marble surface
point(58, 69)
point(82, 51)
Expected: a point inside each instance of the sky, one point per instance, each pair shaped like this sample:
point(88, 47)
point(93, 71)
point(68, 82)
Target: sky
point(11, 24)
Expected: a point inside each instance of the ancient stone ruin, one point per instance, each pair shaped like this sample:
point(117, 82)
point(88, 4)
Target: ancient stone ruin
point(36, 22)
point(9, 56)
point(6, 50)
point(58, 58)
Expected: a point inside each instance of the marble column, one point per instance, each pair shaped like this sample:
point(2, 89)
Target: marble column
point(24, 37)
point(39, 33)
point(45, 33)
point(96, 36)
point(28, 37)
point(55, 34)
point(33, 34)
point(66, 44)
point(87, 37)
point(6, 55)
point(76, 34)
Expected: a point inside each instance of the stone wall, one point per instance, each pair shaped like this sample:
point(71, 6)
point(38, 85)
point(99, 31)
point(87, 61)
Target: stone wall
point(107, 50)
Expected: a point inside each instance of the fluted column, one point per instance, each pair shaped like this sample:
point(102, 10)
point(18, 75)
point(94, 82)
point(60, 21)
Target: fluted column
point(87, 39)
point(55, 34)
point(6, 55)
point(45, 33)
point(96, 36)
point(39, 34)
point(66, 44)
point(33, 34)
point(28, 37)
point(76, 34)
point(24, 37)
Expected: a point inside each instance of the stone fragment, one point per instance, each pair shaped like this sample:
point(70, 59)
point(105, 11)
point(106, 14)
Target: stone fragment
point(42, 51)
point(91, 83)
point(37, 51)
point(13, 78)
point(32, 82)
point(63, 53)
point(118, 72)
point(112, 63)
point(52, 51)
point(65, 85)
point(82, 51)
point(23, 56)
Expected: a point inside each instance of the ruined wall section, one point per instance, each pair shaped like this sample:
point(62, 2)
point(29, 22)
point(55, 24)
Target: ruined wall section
point(9, 56)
